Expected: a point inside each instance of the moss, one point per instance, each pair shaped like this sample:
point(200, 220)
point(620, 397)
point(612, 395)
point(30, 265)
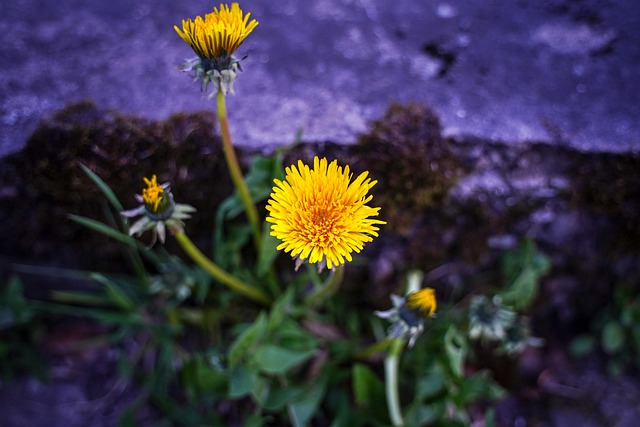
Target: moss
point(414, 165)
point(608, 185)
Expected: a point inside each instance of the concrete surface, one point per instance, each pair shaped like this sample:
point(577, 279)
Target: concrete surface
point(562, 71)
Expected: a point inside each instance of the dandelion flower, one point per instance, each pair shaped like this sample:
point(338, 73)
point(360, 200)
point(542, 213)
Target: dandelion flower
point(408, 314)
point(320, 215)
point(159, 211)
point(424, 301)
point(214, 39)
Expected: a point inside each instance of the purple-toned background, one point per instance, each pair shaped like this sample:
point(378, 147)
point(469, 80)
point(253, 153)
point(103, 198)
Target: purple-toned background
point(560, 71)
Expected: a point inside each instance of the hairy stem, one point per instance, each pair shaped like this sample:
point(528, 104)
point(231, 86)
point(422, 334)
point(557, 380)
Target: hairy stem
point(235, 172)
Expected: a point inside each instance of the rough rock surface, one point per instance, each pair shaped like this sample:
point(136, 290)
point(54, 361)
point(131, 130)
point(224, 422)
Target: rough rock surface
point(561, 71)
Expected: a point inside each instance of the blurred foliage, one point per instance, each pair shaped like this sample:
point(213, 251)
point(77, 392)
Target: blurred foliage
point(615, 330)
point(21, 329)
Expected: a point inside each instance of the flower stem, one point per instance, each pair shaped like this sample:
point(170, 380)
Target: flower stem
point(219, 274)
point(330, 286)
point(391, 382)
point(234, 170)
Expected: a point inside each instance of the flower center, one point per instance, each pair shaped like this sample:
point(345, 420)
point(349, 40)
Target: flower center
point(322, 228)
point(152, 195)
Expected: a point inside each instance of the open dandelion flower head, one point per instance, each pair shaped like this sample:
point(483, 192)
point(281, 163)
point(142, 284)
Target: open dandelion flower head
point(158, 211)
point(423, 300)
point(319, 215)
point(219, 34)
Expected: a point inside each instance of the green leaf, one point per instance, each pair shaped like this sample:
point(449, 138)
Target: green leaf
point(261, 174)
point(478, 386)
point(420, 414)
point(247, 339)
point(128, 417)
point(241, 381)
point(268, 252)
point(279, 397)
point(431, 384)
point(522, 270)
point(115, 294)
point(117, 235)
point(106, 190)
point(280, 310)
point(211, 380)
point(522, 290)
point(14, 307)
point(255, 420)
point(367, 388)
point(111, 317)
point(103, 228)
point(276, 360)
point(582, 345)
point(81, 298)
point(305, 408)
point(613, 337)
point(490, 418)
point(292, 337)
point(456, 347)
point(259, 181)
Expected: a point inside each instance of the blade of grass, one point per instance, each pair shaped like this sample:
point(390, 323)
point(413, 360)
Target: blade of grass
point(117, 235)
point(106, 190)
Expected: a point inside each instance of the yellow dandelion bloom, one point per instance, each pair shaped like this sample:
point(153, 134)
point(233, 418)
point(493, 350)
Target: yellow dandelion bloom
point(152, 195)
point(423, 300)
point(319, 215)
point(219, 33)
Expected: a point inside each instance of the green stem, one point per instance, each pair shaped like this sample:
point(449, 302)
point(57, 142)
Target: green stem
point(235, 172)
point(391, 382)
point(219, 274)
point(330, 286)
